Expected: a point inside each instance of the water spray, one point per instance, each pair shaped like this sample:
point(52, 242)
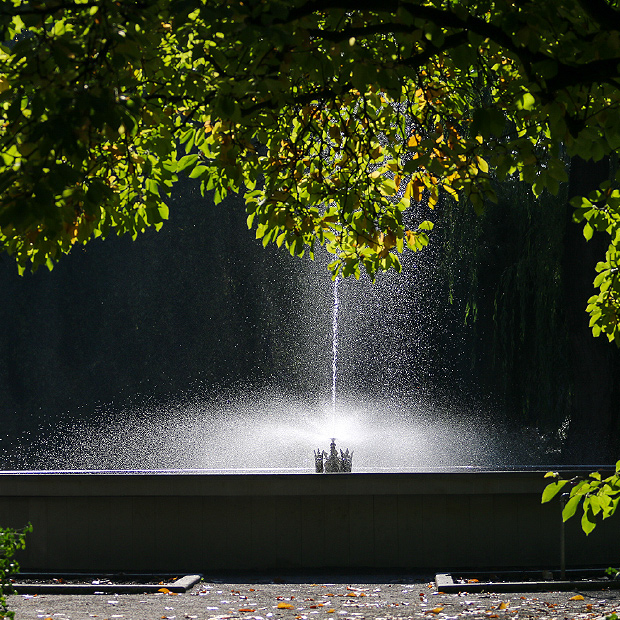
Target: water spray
point(335, 348)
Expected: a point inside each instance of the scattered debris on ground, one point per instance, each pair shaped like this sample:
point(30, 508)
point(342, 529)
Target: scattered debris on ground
point(210, 600)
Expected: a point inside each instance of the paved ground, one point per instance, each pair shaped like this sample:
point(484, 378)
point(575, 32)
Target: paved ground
point(415, 598)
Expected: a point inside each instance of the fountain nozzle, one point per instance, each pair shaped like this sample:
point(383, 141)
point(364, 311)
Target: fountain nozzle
point(333, 462)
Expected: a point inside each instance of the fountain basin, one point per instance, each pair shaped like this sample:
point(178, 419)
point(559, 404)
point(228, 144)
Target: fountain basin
point(195, 522)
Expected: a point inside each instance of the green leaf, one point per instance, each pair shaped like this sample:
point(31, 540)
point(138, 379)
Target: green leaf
point(600, 278)
point(197, 172)
point(552, 489)
point(488, 122)
point(527, 102)
point(547, 68)
point(581, 488)
point(164, 211)
point(588, 521)
point(362, 75)
point(186, 162)
point(571, 507)
point(186, 135)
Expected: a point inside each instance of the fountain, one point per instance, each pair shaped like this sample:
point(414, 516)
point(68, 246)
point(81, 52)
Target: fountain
point(245, 363)
point(168, 385)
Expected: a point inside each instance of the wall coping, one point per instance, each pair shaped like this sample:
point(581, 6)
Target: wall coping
point(195, 483)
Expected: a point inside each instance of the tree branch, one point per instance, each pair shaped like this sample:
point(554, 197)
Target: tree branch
point(594, 72)
point(568, 75)
point(441, 17)
point(320, 95)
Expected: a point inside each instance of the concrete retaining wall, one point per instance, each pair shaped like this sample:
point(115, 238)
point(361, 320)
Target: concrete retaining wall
point(198, 522)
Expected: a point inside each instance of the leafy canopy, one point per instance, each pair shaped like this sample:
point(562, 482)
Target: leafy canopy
point(11, 541)
point(334, 116)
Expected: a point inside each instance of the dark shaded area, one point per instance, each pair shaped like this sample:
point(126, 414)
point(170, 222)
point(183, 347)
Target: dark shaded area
point(595, 363)
point(521, 275)
point(195, 304)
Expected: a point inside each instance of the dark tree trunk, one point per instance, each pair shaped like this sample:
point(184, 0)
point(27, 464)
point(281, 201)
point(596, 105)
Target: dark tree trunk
point(592, 433)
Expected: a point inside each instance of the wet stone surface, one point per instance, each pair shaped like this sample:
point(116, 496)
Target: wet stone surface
point(212, 600)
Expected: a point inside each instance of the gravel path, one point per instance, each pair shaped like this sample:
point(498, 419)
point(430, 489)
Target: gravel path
point(413, 598)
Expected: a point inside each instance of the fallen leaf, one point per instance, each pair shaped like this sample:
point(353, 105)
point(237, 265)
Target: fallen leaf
point(577, 597)
point(247, 609)
point(330, 611)
point(504, 605)
point(285, 606)
point(472, 581)
point(436, 610)
point(164, 590)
